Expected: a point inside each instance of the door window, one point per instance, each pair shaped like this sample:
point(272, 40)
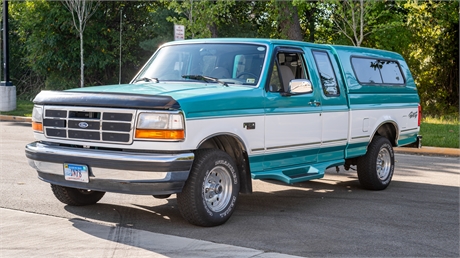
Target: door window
point(287, 66)
point(326, 73)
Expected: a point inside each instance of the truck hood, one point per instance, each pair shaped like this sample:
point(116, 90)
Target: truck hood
point(191, 97)
point(173, 89)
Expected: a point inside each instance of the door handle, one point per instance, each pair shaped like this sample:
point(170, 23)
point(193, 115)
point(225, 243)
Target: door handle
point(314, 103)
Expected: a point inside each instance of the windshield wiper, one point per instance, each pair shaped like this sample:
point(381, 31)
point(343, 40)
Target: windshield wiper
point(203, 78)
point(147, 79)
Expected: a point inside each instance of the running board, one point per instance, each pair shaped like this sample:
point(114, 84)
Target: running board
point(297, 174)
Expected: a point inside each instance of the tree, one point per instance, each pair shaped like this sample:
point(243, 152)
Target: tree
point(191, 14)
point(434, 55)
point(83, 10)
point(47, 56)
point(288, 21)
point(349, 18)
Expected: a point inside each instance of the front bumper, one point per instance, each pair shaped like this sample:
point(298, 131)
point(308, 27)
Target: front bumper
point(113, 171)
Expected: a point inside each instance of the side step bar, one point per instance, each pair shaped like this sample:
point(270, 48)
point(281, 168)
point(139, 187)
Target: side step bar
point(297, 174)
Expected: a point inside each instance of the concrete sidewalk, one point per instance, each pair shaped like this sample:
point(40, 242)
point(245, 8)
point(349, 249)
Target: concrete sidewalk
point(33, 235)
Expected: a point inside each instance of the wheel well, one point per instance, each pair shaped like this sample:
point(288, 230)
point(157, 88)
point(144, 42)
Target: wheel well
point(387, 130)
point(233, 147)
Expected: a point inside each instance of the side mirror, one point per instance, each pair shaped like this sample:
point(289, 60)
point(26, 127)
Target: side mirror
point(300, 86)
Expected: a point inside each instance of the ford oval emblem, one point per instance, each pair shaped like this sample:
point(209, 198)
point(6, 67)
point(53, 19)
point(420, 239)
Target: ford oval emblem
point(83, 124)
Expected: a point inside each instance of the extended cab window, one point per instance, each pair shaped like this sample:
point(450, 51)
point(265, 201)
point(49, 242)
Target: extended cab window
point(376, 71)
point(326, 73)
point(287, 66)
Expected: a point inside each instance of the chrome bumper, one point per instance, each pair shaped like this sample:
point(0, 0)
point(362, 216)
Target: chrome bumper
point(113, 171)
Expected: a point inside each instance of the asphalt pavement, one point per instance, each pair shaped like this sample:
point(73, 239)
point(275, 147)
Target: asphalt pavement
point(61, 237)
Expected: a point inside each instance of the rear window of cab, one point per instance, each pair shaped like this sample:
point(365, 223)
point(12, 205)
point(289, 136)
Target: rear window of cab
point(377, 71)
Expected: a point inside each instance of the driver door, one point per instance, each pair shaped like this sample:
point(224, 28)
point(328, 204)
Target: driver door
point(292, 122)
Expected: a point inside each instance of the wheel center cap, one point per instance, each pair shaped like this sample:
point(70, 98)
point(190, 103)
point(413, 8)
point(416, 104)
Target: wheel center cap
point(218, 189)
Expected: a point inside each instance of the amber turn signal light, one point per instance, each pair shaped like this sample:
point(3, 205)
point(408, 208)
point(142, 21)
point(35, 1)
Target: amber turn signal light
point(37, 126)
point(160, 134)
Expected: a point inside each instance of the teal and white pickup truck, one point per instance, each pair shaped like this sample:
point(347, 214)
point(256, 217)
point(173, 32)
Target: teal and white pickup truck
point(204, 117)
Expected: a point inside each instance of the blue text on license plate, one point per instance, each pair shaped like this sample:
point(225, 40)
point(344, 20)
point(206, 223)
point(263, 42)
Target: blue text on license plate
point(76, 172)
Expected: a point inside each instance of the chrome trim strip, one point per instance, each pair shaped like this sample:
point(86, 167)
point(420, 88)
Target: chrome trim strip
point(294, 145)
point(410, 129)
point(360, 137)
point(334, 141)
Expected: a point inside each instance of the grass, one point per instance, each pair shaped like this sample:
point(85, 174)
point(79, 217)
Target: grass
point(440, 131)
point(436, 131)
point(23, 108)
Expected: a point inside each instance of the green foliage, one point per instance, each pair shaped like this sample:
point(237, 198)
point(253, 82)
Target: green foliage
point(49, 45)
point(44, 28)
point(239, 24)
point(191, 15)
point(55, 81)
point(434, 55)
point(163, 28)
point(389, 30)
point(44, 46)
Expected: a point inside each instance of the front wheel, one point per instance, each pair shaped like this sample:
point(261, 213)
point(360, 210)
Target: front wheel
point(211, 191)
point(76, 197)
point(375, 169)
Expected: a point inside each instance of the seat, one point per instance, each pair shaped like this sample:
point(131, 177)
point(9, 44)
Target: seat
point(286, 76)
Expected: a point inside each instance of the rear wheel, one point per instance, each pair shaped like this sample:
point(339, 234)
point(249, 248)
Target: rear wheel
point(375, 169)
point(76, 197)
point(211, 191)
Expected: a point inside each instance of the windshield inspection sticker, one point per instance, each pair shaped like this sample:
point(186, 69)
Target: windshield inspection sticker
point(250, 80)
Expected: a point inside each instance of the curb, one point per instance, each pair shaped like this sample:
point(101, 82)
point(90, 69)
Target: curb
point(450, 152)
point(15, 118)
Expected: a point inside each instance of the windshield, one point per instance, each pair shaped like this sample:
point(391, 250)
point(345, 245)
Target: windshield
point(211, 63)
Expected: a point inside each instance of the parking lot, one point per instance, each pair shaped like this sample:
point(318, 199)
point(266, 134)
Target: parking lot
point(417, 215)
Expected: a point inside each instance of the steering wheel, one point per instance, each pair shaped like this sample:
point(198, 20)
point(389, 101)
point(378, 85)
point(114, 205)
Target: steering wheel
point(247, 73)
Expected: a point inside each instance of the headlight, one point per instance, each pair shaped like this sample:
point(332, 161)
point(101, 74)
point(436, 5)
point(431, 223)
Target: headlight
point(160, 126)
point(37, 119)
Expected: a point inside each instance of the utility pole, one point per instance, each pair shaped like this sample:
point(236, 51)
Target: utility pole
point(121, 24)
point(7, 89)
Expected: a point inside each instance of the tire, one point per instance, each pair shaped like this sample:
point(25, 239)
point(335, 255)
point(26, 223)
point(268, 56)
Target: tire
point(210, 194)
point(375, 169)
point(76, 197)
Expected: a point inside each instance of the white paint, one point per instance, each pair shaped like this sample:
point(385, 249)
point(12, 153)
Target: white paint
point(335, 126)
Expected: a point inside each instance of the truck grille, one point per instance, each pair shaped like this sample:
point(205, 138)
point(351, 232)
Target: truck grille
point(89, 124)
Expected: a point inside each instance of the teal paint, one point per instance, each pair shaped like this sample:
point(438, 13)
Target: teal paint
point(407, 138)
point(354, 150)
point(297, 174)
point(331, 153)
point(291, 158)
point(256, 163)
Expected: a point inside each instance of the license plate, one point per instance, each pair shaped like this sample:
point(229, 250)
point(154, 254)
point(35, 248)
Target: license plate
point(76, 172)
